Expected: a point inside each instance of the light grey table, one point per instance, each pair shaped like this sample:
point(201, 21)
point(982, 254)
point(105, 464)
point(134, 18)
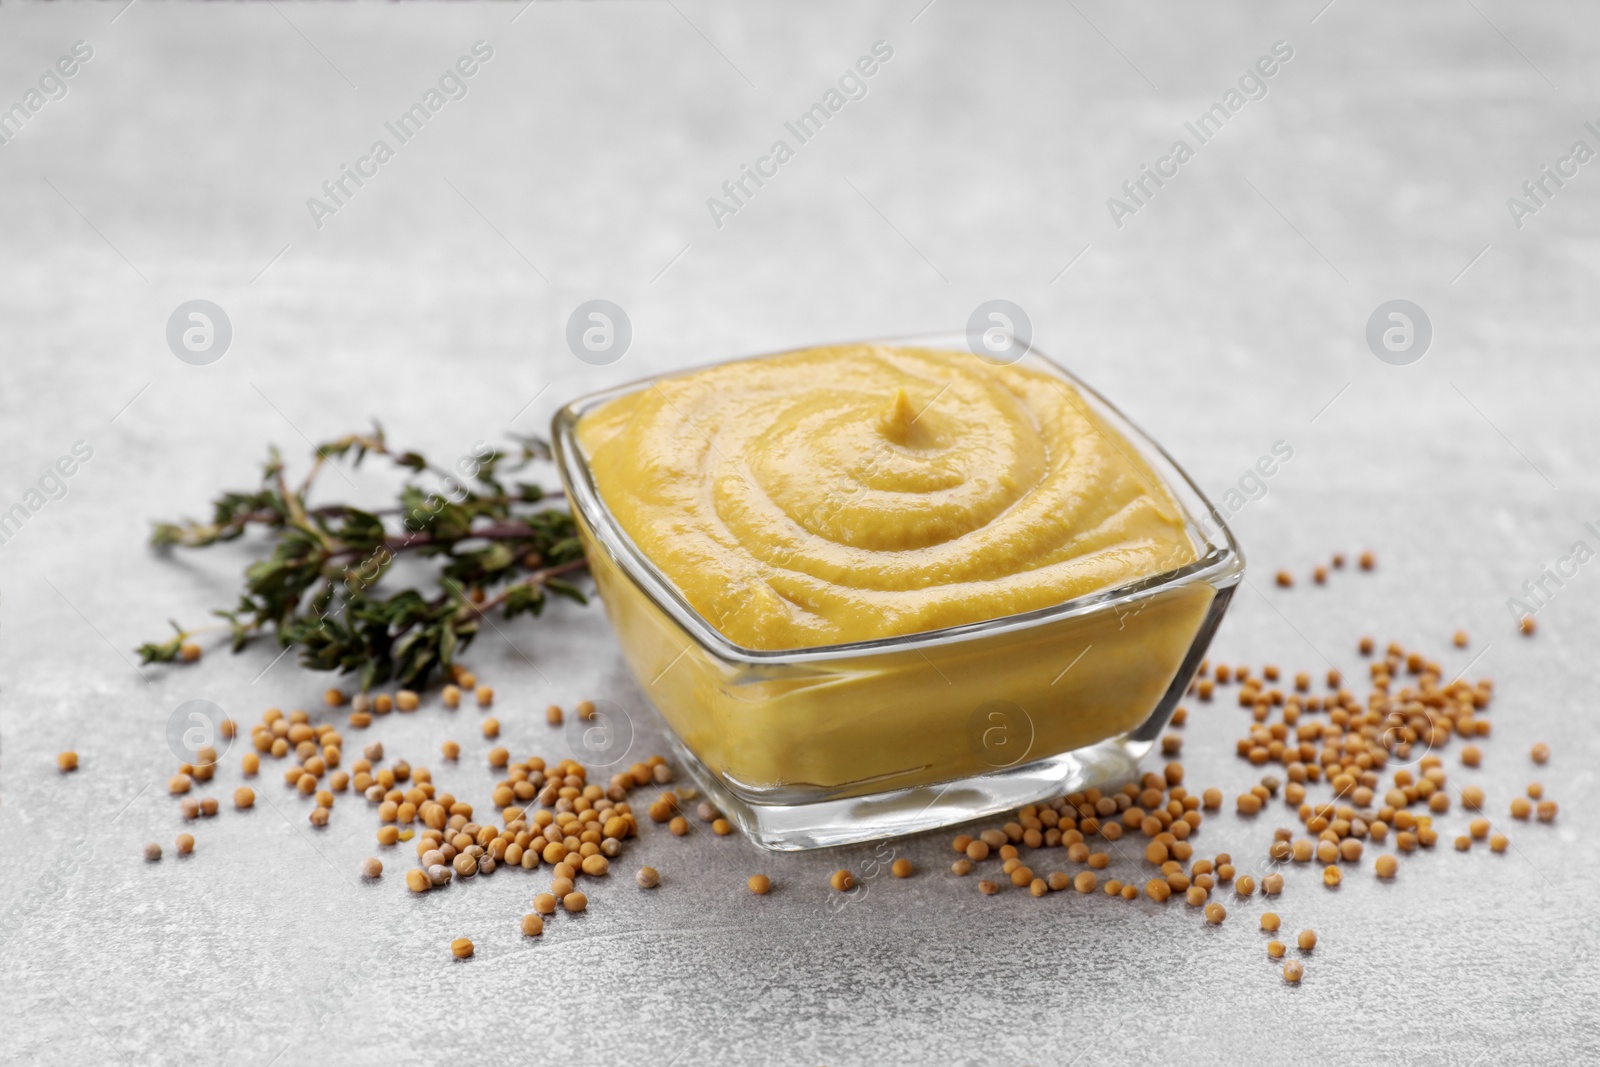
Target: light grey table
point(1227, 313)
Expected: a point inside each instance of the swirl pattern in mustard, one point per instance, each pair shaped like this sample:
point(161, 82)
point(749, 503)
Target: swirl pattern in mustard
point(852, 492)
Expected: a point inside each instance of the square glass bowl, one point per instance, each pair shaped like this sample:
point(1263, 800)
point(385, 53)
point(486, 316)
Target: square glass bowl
point(832, 745)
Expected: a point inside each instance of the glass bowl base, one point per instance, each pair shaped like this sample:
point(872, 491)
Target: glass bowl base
point(796, 827)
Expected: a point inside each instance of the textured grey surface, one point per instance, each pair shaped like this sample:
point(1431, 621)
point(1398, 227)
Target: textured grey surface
point(1224, 316)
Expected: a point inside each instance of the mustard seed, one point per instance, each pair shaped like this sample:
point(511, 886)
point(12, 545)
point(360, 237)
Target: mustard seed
point(1085, 882)
point(1527, 626)
point(1546, 810)
point(1307, 940)
point(574, 902)
point(1332, 876)
point(1386, 866)
point(721, 827)
point(185, 844)
point(545, 904)
point(961, 868)
point(1463, 842)
point(461, 948)
point(1498, 843)
point(532, 925)
point(491, 727)
point(1272, 884)
point(67, 761)
point(759, 884)
point(1215, 913)
point(244, 797)
point(1293, 971)
point(843, 881)
point(988, 888)
point(152, 852)
point(1276, 949)
point(484, 695)
point(1471, 756)
point(1540, 753)
point(901, 868)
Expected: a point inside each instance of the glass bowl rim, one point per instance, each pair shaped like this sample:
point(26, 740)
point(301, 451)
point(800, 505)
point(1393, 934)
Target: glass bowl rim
point(1220, 566)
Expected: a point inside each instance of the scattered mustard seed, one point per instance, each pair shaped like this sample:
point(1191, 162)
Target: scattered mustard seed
point(371, 867)
point(532, 925)
point(185, 844)
point(461, 948)
point(1386, 866)
point(152, 852)
point(1307, 940)
point(1276, 949)
point(843, 881)
point(901, 868)
point(1215, 913)
point(1270, 921)
point(1540, 753)
point(67, 761)
point(1293, 971)
point(759, 884)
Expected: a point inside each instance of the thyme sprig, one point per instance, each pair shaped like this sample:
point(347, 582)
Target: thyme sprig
point(497, 542)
